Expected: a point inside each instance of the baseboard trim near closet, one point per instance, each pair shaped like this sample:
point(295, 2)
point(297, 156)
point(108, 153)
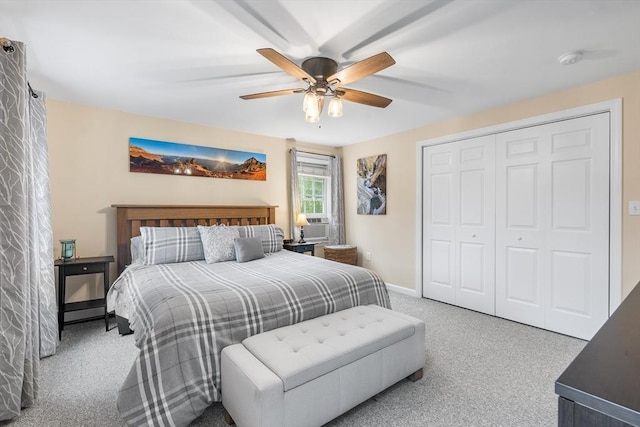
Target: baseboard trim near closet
point(402, 290)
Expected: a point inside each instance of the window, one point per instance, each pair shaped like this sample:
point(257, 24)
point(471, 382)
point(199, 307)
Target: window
point(314, 186)
point(312, 195)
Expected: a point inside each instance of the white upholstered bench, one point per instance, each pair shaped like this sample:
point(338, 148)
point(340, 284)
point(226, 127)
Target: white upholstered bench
point(309, 373)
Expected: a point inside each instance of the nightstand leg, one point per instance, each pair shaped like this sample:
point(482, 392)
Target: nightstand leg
point(106, 290)
point(61, 292)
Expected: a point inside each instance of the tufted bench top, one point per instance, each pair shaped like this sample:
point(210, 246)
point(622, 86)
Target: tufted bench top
point(307, 350)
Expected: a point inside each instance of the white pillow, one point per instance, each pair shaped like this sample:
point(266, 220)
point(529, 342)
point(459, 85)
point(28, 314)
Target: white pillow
point(137, 250)
point(217, 242)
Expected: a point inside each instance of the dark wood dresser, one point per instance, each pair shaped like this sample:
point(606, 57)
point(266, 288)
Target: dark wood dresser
point(601, 387)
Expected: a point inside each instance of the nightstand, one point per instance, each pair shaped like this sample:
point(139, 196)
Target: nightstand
point(301, 247)
point(76, 267)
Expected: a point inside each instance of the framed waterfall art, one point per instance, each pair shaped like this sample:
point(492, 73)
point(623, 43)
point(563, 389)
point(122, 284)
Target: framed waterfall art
point(171, 158)
point(372, 185)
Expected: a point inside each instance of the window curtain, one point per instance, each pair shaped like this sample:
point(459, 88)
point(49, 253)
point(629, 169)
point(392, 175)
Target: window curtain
point(336, 222)
point(295, 192)
point(28, 322)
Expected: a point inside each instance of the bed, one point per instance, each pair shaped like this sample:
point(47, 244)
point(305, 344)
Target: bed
point(184, 313)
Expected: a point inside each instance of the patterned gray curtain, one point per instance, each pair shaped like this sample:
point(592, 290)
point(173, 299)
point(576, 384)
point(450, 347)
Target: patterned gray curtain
point(336, 225)
point(295, 192)
point(28, 322)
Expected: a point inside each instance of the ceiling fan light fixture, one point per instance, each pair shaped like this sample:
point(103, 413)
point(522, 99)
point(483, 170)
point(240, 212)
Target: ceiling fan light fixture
point(323, 78)
point(312, 110)
point(309, 97)
point(335, 107)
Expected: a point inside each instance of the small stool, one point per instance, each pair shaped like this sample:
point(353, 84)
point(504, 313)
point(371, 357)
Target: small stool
point(346, 254)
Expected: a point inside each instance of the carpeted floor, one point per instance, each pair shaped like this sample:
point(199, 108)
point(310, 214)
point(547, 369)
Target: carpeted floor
point(479, 371)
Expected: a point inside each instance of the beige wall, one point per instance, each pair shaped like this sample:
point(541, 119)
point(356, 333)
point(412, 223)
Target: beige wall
point(391, 239)
point(88, 160)
point(89, 170)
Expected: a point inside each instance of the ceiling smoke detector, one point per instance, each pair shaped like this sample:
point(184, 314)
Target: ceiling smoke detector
point(570, 58)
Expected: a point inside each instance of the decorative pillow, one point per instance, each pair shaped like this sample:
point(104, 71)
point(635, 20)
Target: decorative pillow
point(248, 249)
point(218, 243)
point(270, 235)
point(137, 250)
point(163, 245)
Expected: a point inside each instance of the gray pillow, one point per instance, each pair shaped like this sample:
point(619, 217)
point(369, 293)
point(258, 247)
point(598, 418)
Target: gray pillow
point(162, 245)
point(248, 249)
point(270, 235)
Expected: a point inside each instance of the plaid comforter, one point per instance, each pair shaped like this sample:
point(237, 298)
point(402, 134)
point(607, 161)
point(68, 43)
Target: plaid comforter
point(184, 314)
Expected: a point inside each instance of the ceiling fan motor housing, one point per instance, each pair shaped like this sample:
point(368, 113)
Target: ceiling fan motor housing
point(320, 68)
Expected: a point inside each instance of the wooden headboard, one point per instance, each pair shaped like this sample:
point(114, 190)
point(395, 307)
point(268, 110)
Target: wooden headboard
point(131, 217)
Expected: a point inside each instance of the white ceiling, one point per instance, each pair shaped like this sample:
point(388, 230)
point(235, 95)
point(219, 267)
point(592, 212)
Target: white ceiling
point(190, 60)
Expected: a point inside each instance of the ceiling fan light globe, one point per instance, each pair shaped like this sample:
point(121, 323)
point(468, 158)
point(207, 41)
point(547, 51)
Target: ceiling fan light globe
point(309, 98)
point(335, 107)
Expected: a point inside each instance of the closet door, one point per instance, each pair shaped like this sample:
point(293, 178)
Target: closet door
point(459, 231)
point(552, 225)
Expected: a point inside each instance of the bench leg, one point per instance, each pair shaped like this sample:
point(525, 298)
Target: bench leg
point(227, 417)
point(416, 375)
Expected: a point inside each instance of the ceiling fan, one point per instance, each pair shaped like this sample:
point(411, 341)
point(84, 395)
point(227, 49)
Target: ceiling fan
point(323, 79)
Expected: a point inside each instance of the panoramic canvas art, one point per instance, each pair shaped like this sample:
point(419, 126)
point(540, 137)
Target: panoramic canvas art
point(170, 158)
point(372, 185)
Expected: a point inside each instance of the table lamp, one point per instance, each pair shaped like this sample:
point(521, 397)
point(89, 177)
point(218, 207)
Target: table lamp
point(301, 221)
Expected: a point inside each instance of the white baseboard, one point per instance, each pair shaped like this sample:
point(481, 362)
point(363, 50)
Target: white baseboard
point(402, 290)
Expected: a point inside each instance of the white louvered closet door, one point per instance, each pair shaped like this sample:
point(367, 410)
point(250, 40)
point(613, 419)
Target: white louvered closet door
point(459, 230)
point(552, 225)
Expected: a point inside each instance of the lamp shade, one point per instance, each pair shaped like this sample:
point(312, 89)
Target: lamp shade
point(301, 220)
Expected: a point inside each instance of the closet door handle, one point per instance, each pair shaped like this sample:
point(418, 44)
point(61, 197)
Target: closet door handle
point(473, 235)
point(518, 238)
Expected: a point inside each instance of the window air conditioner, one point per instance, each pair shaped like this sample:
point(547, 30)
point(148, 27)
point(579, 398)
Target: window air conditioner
point(317, 230)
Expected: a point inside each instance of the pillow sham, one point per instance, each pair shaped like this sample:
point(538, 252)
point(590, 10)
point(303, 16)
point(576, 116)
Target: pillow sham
point(137, 250)
point(217, 242)
point(270, 235)
point(248, 249)
point(163, 245)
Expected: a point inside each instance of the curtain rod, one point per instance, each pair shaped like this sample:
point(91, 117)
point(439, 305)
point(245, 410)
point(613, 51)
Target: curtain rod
point(315, 154)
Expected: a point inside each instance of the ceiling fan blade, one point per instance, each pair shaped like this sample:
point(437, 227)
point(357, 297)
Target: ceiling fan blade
point(272, 93)
point(365, 98)
point(286, 64)
point(362, 69)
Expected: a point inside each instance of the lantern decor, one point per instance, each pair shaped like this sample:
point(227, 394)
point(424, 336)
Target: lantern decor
point(68, 250)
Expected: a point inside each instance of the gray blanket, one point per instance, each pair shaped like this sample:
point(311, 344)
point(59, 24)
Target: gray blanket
point(184, 314)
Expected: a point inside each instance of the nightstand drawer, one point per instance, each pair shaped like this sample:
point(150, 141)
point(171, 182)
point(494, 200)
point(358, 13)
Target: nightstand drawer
point(75, 269)
point(300, 247)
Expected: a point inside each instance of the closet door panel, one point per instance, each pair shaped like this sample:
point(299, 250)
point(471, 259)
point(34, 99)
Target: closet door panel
point(475, 232)
point(519, 224)
point(439, 223)
point(578, 234)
